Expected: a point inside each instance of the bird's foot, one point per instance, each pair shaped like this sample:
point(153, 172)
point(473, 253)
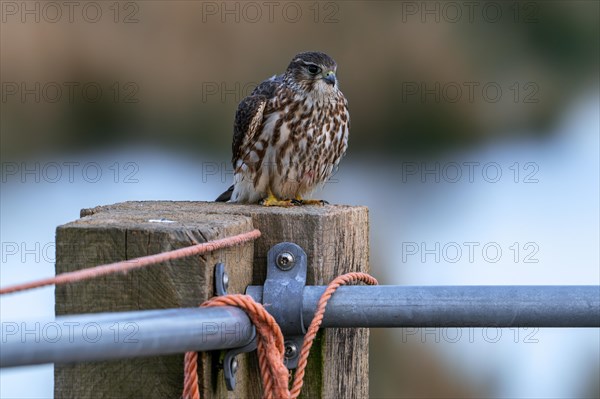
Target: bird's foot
point(300, 201)
point(271, 200)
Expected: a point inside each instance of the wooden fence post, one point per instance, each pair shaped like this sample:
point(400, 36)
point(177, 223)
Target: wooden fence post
point(335, 239)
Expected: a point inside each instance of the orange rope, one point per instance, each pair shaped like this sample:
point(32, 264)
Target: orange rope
point(270, 349)
point(127, 265)
point(270, 345)
point(318, 319)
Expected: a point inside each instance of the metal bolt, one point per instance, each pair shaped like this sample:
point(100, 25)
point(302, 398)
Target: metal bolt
point(234, 366)
point(285, 261)
point(225, 281)
point(291, 350)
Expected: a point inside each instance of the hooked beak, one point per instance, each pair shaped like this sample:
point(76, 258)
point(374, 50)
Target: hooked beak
point(330, 78)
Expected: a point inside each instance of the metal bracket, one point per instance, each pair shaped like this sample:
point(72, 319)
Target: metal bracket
point(230, 363)
point(282, 295)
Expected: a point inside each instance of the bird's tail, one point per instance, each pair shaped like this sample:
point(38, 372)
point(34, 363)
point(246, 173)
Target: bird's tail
point(226, 196)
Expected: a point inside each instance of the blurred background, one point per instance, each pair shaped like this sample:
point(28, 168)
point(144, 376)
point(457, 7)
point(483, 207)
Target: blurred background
point(474, 142)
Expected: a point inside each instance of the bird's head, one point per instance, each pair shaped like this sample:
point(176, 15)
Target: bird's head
point(313, 73)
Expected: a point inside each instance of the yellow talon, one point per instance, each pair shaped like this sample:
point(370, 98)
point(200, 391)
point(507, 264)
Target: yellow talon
point(271, 200)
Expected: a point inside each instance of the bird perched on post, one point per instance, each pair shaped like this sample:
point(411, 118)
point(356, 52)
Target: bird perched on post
point(289, 134)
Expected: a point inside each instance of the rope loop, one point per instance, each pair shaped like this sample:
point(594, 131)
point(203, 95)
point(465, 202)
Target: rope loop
point(270, 346)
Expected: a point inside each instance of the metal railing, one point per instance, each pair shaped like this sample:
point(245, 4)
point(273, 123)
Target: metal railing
point(104, 336)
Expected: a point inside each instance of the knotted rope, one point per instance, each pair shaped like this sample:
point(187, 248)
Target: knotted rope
point(270, 346)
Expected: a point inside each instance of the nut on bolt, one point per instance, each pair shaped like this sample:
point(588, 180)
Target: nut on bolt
point(285, 261)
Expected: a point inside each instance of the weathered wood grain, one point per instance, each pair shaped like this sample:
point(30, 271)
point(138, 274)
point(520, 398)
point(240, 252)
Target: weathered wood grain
point(114, 236)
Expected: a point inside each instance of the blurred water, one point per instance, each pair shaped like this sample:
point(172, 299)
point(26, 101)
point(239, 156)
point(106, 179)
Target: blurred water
point(558, 216)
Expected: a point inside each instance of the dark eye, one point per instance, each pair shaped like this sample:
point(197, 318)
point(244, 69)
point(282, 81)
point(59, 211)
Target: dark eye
point(314, 69)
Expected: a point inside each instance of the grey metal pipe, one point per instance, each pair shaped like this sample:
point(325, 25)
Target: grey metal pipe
point(104, 336)
point(453, 306)
point(457, 306)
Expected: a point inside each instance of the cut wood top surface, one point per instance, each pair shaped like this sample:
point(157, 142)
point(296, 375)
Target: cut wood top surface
point(182, 207)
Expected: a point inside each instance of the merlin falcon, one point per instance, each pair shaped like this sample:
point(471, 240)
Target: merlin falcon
point(289, 134)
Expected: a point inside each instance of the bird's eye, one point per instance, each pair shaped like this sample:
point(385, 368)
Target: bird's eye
point(313, 69)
